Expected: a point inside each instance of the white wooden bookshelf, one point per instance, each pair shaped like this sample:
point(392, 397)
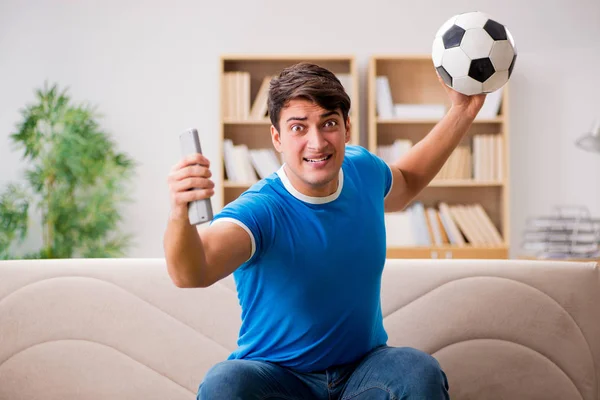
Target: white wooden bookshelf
point(255, 132)
point(412, 80)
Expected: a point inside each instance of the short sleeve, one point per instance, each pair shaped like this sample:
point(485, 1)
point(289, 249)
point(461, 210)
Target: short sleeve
point(380, 172)
point(386, 173)
point(251, 212)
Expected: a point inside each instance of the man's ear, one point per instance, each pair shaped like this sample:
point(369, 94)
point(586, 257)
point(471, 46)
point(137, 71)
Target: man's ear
point(348, 133)
point(276, 139)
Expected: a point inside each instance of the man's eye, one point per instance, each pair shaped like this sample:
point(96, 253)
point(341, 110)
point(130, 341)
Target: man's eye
point(296, 128)
point(331, 123)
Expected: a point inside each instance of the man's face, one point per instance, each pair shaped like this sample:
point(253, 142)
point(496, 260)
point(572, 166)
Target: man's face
point(312, 141)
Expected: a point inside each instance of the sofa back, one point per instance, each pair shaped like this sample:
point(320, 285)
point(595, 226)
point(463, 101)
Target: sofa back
point(119, 329)
point(501, 329)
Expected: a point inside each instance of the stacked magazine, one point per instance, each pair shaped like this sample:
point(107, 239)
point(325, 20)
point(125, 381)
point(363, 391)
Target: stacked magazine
point(570, 232)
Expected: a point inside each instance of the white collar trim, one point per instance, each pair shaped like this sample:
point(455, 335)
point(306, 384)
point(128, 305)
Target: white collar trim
point(310, 199)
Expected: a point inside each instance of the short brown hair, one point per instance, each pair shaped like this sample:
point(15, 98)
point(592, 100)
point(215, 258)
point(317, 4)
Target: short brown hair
point(307, 81)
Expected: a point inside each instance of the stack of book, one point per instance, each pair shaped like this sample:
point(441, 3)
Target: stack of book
point(456, 225)
point(562, 235)
point(245, 165)
point(236, 99)
point(460, 164)
point(488, 157)
point(483, 160)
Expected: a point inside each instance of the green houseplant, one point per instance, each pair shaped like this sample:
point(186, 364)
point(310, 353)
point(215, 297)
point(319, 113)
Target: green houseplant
point(74, 177)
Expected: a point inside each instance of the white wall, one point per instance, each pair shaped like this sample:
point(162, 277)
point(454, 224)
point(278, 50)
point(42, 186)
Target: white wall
point(152, 69)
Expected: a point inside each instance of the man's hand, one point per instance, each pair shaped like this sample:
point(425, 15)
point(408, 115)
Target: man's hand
point(192, 172)
point(198, 259)
point(470, 105)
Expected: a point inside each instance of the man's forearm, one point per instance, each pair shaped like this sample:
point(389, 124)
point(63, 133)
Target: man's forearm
point(184, 253)
point(426, 158)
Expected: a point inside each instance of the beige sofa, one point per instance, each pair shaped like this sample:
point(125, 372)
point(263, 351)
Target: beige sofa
point(119, 329)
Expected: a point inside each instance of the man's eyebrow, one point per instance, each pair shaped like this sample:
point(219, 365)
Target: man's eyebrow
point(324, 115)
point(296, 119)
point(330, 113)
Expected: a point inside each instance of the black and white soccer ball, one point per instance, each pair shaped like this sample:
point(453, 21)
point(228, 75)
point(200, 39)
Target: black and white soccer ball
point(473, 53)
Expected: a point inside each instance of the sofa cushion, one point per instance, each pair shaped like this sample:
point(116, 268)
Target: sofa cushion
point(501, 329)
point(101, 327)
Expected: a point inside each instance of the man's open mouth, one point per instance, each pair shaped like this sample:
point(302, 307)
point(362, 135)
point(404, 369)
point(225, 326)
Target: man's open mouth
point(314, 160)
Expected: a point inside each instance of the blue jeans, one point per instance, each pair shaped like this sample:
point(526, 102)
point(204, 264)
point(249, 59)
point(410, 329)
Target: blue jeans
point(384, 373)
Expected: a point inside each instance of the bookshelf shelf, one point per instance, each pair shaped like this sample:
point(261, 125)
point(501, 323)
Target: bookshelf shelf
point(287, 58)
point(265, 121)
point(433, 121)
point(245, 127)
point(467, 202)
point(237, 185)
point(463, 182)
point(488, 252)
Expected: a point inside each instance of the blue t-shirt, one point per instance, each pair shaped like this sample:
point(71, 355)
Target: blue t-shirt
point(310, 292)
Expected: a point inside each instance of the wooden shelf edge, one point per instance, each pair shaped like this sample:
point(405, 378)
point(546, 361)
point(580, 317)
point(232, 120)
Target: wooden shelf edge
point(463, 182)
point(402, 57)
point(237, 185)
point(433, 252)
point(264, 121)
point(407, 121)
point(286, 57)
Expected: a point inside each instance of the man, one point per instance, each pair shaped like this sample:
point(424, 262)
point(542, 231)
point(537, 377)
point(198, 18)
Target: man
point(307, 249)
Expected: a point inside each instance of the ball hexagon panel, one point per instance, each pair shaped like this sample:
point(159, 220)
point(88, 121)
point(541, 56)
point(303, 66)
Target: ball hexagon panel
point(467, 85)
point(476, 43)
point(471, 20)
point(445, 26)
point(501, 55)
point(437, 51)
point(481, 69)
point(496, 30)
point(495, 82)
point(456, 62)
point(453, 36)
point(445, 76)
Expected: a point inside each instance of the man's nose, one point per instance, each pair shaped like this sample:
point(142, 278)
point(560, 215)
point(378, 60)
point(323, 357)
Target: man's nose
point(316, 140)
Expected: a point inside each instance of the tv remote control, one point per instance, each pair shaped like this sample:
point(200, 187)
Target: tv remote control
point(199, 211)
